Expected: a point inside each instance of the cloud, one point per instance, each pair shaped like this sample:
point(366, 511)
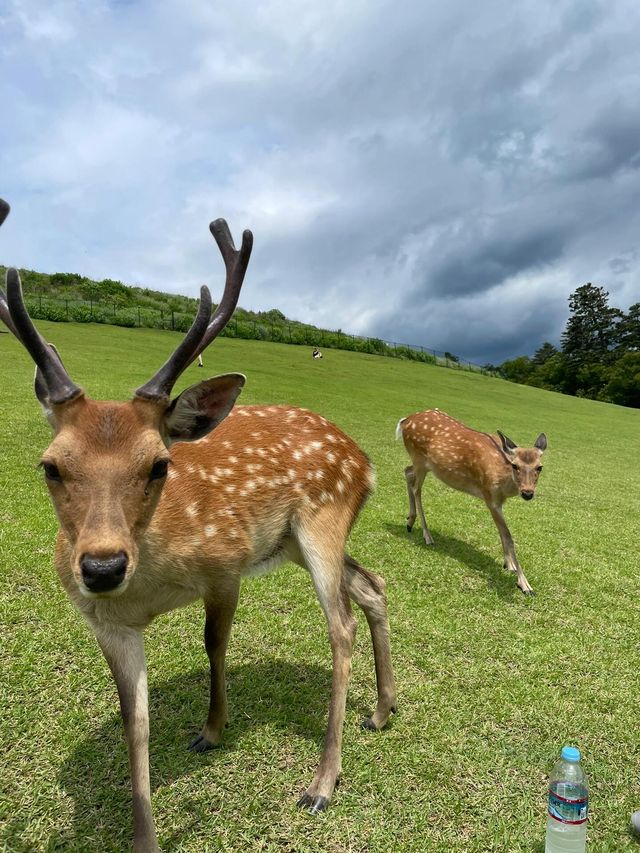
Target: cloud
point(443, 174)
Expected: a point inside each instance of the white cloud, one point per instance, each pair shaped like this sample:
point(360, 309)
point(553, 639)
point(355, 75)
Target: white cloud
point(425, 172)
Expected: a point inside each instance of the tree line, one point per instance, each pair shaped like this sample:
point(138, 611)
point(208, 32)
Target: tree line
point(599, 354)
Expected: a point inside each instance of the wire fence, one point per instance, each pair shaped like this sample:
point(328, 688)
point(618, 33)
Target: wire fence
point(42, 307)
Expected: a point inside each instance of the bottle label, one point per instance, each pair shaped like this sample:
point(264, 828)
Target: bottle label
point(571, 811)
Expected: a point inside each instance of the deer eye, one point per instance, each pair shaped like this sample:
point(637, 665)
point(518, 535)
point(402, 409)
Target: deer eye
point(159, 469)
point(538, 469)
point(515, 467)
point(51, 471)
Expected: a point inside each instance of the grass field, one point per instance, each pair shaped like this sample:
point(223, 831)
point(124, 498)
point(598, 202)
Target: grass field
point(491, 684)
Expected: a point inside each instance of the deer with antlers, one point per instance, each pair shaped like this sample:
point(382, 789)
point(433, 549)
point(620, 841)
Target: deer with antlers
point(162, 502)
point(489, 467)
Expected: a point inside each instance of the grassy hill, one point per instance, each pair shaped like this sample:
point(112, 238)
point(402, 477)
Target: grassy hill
point(491, 684)
point(67, 297)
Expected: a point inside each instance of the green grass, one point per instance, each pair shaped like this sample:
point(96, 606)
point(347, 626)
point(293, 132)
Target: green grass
point(491, 684)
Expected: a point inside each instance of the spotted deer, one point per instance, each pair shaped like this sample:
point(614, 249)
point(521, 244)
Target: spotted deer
point(490, 467)
point(161, 502)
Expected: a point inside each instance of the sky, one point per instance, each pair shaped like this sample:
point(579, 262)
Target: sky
point(434, 172)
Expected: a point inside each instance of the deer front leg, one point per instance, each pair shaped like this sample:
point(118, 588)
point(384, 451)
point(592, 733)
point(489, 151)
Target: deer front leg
point(509, 549)
point(123, 649)
point(219, 619)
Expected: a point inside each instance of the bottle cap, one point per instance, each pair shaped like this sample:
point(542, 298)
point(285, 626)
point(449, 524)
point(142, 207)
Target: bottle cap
point(570, 753)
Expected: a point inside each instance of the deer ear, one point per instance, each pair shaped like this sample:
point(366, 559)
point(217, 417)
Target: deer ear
point(541, 442)
point(200, 408)
point(508, 446)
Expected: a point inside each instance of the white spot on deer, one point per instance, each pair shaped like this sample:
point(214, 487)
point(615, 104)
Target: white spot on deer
point(233, 459)
point(340, 486)
point(256, 434)
point(191, 510)
point(243, 412)
point(297, 454)
point(331, 457)
point(261, 452)
point(319, 474)
point(230, 488)
point(331, 437)
point(210, 530)
point(261, 414)
point(249, 450)
point(316, 445)
point(189, 468)
point(291, 473)
point(250, 484)
point(226, 444)
point(172, 474)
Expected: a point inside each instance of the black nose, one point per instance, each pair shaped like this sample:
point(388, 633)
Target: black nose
point(527, 495)
point(101, 574)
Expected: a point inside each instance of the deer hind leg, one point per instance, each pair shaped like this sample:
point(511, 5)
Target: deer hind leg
point(219, 612)
point(322, 554)
point(410, 477)
point(511, 561)
point(368, 591)
point(415, 478)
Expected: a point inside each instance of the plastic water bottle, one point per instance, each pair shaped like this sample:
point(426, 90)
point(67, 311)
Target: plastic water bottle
point(568, 805)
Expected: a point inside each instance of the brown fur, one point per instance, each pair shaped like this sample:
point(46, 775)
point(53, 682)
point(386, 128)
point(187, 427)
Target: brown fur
point(470, 461)
point(268, 484)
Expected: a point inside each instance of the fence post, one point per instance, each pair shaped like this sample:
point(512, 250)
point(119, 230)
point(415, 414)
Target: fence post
point(173, 322)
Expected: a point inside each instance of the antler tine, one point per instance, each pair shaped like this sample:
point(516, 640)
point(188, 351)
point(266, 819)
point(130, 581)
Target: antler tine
point(60, 385)
point(4, 308)
point(205, 328)
point(160, 385)
point(236, 263)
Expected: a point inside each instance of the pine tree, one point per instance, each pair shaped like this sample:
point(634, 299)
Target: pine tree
point(590, 334)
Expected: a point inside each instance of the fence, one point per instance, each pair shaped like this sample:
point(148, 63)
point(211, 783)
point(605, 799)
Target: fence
point(288, 332)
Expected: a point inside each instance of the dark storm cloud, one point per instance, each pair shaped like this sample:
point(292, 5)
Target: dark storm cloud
point(443, 174)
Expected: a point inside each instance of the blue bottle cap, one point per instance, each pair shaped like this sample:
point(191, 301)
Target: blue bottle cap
point(570, 753)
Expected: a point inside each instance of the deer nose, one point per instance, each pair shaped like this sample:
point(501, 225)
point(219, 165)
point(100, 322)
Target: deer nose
point(102, 574)
point(527, 494)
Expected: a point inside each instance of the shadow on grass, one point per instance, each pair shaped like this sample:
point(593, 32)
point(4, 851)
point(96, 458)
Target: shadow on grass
point(289, 696)
point(498, 579)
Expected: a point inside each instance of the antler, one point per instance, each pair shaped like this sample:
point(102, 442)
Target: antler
point(203, 331)
point(14, 315)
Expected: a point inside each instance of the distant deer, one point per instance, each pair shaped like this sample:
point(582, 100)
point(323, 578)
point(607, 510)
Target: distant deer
point(490, 467)
point(150, 522)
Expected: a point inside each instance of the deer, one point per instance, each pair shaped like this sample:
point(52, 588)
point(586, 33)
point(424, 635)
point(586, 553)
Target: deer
point(162, 502)
point(489, 467)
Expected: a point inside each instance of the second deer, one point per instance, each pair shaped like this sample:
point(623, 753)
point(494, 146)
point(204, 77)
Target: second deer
point(489, 467)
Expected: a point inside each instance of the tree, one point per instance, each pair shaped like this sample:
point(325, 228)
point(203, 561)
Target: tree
point(517, 369)
point(590, 333)
point(628, 331)
point(544, 353)
point(623, 386)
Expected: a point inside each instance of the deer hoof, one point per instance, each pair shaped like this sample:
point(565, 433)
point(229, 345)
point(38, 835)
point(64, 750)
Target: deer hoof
point(409, 528)
point(369, 725)
point(313, 803)
point(201, 744)
point(528, 592)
